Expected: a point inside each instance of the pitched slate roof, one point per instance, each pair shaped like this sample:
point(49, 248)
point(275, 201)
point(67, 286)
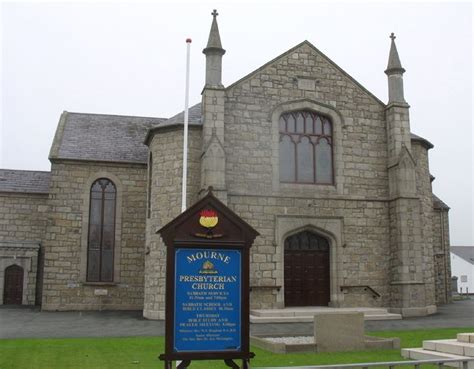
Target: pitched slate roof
point(427, 144)
point(464, 252)
point(194, 119)
point(194, 116)
point(439, 204)
point(99, 137)
point(24, 181)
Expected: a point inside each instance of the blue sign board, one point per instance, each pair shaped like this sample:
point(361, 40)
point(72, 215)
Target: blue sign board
point(207, 300)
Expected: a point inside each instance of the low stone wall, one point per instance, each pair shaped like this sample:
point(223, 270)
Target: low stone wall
point(265, 342)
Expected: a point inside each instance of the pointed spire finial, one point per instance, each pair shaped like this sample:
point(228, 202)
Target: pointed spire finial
point(394, 73)
point(394, 64)
point(214, 52)
point(214, 41)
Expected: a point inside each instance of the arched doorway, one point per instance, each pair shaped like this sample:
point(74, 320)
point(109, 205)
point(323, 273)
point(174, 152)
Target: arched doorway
point(13, 287)
point(306, 261)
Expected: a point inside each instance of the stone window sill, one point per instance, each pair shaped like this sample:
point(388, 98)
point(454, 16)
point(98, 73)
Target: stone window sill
point(306, 189)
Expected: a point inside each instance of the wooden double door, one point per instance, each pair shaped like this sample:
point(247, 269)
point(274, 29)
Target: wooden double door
point(13, 287)
point(307, 276)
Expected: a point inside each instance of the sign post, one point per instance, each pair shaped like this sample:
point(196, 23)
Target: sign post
point(207, 285)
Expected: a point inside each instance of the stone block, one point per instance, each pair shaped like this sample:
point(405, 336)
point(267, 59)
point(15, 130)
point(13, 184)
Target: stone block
point(337, 331)
point(465, 337)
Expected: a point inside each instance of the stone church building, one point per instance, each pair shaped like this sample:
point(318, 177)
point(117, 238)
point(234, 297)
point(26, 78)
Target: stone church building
point(331, 177)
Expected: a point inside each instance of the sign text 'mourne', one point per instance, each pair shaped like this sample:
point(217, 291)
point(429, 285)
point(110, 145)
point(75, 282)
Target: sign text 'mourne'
point(208, 255)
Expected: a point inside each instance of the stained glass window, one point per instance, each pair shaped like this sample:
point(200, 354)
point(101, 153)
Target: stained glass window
point(306, 154)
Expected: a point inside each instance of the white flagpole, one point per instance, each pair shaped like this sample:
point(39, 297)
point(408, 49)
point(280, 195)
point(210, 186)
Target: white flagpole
point(185, 139)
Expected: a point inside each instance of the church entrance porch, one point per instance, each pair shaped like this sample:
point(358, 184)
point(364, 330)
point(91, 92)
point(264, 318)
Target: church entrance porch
point(306, 270)
point(13, 289)
point(18, 270)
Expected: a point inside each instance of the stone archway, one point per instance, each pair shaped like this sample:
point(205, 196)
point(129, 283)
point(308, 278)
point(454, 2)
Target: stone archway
point(13, 287)
point(307, 270)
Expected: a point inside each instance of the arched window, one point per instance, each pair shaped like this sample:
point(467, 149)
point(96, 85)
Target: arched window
point(306, 148)
point(101, 240)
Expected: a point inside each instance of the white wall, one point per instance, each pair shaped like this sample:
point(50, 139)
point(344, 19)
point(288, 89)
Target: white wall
point(459, 268)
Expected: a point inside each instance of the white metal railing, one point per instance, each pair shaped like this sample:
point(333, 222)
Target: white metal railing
point(386, 364)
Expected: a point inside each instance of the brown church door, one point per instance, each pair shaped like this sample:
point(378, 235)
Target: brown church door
point(306, 270)
point(13, 288)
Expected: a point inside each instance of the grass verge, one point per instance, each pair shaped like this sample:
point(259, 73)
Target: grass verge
point(142, 352)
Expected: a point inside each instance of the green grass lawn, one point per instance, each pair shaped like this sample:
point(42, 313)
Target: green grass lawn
point(142, 352)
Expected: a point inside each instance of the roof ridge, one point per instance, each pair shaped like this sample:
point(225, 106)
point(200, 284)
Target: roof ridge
point(26, 170)
point(114, 115)
point(464, 252)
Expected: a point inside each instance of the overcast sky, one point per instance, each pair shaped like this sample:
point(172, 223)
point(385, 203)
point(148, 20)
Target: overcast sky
point(130, 59)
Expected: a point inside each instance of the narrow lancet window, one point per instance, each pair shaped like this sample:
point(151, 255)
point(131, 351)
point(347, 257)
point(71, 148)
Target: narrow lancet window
point(101, 241)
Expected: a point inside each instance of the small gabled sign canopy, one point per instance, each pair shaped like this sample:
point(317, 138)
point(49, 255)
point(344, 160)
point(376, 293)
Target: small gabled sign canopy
point(208, 259)
point(196, 225)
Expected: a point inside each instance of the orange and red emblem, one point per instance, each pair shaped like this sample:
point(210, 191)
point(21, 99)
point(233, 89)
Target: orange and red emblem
point(208, 219)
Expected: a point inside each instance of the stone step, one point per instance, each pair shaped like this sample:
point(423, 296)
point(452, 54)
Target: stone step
point(466, 337)
point(280, 319)
point(310, 318)
point(310, 311)
point(421, 354)
point(451, 346)
point(387, 316)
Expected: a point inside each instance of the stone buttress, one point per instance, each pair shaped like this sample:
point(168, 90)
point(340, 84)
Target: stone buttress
point(213, 96)
point(411, 294)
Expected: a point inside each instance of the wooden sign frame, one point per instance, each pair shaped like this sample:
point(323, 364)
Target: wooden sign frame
point(211, 225)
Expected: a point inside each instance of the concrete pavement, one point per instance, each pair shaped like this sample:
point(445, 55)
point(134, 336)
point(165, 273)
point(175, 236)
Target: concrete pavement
point(23, 322)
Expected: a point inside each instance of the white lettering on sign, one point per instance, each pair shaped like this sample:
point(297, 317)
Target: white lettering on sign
point(208, 278)
point(208, 255)
point(101, 292)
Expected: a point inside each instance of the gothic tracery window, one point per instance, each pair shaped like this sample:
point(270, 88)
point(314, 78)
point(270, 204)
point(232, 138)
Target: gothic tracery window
point(306, 154)
point(101, 238)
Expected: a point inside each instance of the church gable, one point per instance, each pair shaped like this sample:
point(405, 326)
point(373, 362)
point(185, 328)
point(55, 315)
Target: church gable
point(308, 69)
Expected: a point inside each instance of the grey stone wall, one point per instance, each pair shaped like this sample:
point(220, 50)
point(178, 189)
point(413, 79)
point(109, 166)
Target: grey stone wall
point(358, 234)
point(65, 285)
point(167, 150)
point(304, 79)
point(23, 216)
